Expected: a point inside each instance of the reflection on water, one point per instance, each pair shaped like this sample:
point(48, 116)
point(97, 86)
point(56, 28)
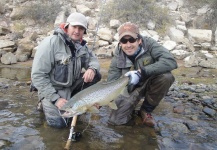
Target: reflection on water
point(20, 74)
point(22, 127)
point(98, 135)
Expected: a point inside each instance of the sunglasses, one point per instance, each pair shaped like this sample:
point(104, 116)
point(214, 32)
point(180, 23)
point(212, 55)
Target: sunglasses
point(131, 40)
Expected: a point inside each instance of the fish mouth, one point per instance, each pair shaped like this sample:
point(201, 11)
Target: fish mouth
point(68, 114)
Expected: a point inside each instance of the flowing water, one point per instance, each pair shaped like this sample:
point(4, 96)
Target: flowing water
point(22, 127)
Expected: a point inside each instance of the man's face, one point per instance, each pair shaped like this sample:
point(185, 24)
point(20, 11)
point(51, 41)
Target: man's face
point(129, 44)
point(75, 32)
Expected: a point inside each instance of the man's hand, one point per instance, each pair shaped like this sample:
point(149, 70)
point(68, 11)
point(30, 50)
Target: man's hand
point(134, 79)
point(88, 75)
point(97, 105)
point(60, 102)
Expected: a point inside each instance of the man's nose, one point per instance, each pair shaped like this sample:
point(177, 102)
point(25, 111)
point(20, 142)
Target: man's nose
point(76, 30)
point(128, 44)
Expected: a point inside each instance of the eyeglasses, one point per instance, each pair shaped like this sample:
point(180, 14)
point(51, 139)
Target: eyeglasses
point(131, 40)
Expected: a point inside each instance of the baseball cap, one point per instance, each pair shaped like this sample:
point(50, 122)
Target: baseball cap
point(128, 28)
point(77, 19)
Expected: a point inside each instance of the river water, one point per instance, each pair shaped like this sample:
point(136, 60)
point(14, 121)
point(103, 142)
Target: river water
point(22, 127)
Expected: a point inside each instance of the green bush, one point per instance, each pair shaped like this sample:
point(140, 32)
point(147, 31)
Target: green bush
point(136, 11)
point(43, 11)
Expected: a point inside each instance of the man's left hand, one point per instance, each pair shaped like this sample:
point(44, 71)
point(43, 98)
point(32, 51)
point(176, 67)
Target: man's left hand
point(135, 77)
point(88, 75)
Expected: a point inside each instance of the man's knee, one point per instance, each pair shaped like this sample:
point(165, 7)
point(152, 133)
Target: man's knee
point(168, 78)
point(56, 122)
point(52, 115)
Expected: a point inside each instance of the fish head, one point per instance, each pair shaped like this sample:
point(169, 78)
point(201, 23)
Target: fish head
point(66, 111)
point(69, 113)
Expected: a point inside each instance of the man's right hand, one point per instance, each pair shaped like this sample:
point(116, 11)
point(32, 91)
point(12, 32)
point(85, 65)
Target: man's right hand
point(60, 102)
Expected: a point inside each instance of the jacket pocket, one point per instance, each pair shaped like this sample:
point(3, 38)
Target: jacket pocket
point(61, 73)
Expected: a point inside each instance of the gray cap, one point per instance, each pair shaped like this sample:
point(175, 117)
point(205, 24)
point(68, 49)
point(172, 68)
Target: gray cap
point(77, 19)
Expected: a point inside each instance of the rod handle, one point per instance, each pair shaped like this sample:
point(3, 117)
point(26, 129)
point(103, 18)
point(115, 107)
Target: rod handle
point(74, 119)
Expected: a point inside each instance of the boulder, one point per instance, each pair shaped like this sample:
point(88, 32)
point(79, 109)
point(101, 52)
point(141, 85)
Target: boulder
point(8, 58)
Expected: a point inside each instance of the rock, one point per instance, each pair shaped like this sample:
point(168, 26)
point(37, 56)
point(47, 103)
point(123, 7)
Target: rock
point(92, 24)
point(114, 23)
point(8, 58)
point(22, 57)
point(179, 109)
point(61, 17)
point(209, 63)
point(151, 25)
point(180, 54)
point(209, 111)
point(4, 30)
point(2, 143)
point(83, 9)
point(6, 43)
point(192, 125)
point(176, 35)
point(17, 13)
point(105, 34)
point(179, 127)
point(199, 35)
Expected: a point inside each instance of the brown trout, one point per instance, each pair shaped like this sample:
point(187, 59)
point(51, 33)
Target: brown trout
point(99, 94)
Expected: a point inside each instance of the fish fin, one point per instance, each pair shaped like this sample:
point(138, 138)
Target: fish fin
point(93, 109)
point(125, 92)
point(112, 105)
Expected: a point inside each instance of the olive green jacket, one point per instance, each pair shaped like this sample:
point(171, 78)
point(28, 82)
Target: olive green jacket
point(153, 59)
point(54, 68)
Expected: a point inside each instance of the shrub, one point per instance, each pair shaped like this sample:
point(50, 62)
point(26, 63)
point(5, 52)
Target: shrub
point(18, 27)
point(196, 3)
point(137, 11)
point(43, 11)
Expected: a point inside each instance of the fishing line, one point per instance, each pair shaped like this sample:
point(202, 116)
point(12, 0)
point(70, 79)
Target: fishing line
point(86, 126)
point(97, 26)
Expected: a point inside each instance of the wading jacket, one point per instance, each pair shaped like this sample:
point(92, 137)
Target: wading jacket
point(153, 59)
point(58, 63)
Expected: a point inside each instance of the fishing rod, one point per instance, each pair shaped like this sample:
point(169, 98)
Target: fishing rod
point(75, 136)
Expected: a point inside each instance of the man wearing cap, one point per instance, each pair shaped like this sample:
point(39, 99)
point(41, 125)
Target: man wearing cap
point(149, 66)
point(63, 65)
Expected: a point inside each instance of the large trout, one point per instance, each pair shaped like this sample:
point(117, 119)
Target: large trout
point(99, 94)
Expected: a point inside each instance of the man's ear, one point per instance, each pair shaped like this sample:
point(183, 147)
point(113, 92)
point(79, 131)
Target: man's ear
point(140, 41)
point(66, 26)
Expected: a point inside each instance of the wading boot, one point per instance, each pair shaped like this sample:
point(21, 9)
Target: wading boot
point(147, 118)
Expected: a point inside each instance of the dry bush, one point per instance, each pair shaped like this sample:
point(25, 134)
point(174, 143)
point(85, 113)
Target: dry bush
point(137, 11)
point(43, 11)
point(197, 3)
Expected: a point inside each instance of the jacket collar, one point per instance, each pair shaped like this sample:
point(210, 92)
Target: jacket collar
point(63, 32)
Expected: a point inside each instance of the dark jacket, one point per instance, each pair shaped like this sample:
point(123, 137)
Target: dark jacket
point(153, 59)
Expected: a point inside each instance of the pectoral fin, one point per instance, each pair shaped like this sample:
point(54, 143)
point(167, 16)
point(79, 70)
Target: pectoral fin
point(112, 105)
point(125, 92)
point(93, 109)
